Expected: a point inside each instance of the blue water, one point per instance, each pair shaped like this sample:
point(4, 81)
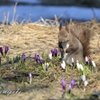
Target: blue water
point(23, 13)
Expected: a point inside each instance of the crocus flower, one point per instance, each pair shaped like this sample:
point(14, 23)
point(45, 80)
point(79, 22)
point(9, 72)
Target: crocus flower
point(93, 64)
point(83, 77)
point(54, 52)
point(63, 65)
point(72, 60)
point(69, 87)
point(50, 55)
point(30, 78)
point(1, 51)
point(81, 67)
point(41, 60)
point(6, 49)
point(72, 83)
point(85, 83)
point(63, 83)
point(78, 65)
point(37, 58)
point(47, 65)
point(23, 57)
point(86, 60)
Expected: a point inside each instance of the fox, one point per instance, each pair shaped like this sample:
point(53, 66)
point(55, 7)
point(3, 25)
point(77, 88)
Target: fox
point(72, 45)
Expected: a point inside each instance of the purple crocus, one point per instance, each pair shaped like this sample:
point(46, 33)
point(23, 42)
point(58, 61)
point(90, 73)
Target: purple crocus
point(54, 52)
point(1, 51)
point(37, 58)
point(63, 83)
point(23, 57)
point(41, 61)
point(6, 49)
point(71, 85)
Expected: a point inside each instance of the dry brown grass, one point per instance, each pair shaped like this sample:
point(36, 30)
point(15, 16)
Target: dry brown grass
point(41, 37)
point(28, 38)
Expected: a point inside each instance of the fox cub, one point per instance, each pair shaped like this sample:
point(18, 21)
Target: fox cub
point(71, 45)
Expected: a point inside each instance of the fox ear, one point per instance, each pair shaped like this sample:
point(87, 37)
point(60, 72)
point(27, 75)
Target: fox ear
point(60, 26)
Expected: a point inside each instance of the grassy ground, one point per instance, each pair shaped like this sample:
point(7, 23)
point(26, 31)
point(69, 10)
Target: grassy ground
point(39, 38)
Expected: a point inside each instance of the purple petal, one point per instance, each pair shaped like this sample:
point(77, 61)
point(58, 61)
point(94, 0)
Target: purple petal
point(6, 49)
point(70, 86)
point(72, 83)
point(1, 50)
point(23, 57)
point(41, 61)
point(37, 57)
point(63, 83)
point(52, 51)
point(55, 52)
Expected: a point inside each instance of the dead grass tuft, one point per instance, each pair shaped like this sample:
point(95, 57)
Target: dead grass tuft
point(28, 38)
point(39, 37)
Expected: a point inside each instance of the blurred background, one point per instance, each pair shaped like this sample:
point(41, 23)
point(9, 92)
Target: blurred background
point(33, 10)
